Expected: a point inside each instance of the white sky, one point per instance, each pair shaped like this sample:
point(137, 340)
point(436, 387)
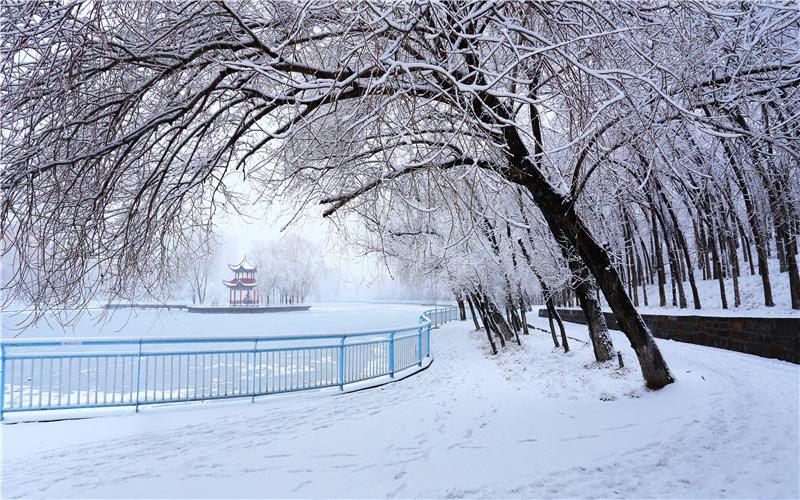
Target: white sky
point(359, 278)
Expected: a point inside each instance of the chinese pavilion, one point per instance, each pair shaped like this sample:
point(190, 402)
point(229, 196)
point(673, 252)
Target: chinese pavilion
point(242, 288)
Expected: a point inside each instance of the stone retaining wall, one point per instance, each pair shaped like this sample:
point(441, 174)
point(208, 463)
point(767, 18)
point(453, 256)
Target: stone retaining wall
point(777, 338)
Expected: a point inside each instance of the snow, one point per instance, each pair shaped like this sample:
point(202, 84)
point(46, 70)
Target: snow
point(530, 422)
point(335, 317)
point(750, 292)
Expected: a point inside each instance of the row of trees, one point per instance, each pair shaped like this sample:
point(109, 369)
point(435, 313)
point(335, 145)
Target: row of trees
point(288, 268)
point(503, 145)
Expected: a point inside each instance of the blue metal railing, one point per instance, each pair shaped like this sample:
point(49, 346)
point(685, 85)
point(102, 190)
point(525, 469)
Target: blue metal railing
point(42, 375)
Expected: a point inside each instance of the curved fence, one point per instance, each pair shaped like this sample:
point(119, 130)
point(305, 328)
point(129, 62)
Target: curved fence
point(43, 375)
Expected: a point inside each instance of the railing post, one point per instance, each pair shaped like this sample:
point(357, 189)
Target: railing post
point(429, 340)
point(2, 380)
point(255, 349)
point(419, 341)
point(341, 363)
point(391, 355)
point(138, 374)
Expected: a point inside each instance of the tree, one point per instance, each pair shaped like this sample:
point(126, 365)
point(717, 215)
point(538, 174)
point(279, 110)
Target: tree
point(200, 264)
point(289, 267)
point(125, 121)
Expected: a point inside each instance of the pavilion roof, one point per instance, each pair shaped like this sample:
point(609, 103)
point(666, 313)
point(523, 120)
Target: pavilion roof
point(241, 282)
point(243, 266)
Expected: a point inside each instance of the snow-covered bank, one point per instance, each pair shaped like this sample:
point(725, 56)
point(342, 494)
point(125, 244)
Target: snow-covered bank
point(751, 293)
point(544, 424)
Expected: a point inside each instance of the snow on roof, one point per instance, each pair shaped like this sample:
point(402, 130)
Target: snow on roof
point(243, 282)
point(243, 266)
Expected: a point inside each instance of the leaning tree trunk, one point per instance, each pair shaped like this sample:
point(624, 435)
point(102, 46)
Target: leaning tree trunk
point(551, 307)
point(642, 278)
point(486, 323)
point(559, 213)
point(596, 320)
point(672, 256)
point(581, 285)
point(462, 313)
point(501, 326)
point(474, 313)
point(523, 306)
point(552, 327)
point(552, 312)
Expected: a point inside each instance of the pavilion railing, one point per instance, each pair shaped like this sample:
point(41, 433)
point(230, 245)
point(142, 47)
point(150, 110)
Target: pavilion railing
point(44, 375)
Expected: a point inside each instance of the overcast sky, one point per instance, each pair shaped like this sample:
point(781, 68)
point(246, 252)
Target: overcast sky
point(357, 279)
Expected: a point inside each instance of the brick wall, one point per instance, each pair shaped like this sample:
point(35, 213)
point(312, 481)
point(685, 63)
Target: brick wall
point(777, 338)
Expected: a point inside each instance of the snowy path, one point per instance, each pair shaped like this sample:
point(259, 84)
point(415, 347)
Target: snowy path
point(470, 426)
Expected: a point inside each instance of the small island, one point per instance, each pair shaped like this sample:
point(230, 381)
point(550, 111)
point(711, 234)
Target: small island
point(243, 295)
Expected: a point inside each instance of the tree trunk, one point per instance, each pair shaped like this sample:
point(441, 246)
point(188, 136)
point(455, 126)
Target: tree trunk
point(647, 270)
point(523, 312)
point(486, 323)
point(513, 320)
point(761, 241)
point(794, 273)
point(642, 280)
point(499, 322)
point(462, 313)
point(633, 275)
point(717, 266)
point(598, 329)
point(487, 314)
point(474, 313)
point(680, 242)
point(584, 292)
point(561, 328)
point(737, 300)
point(780, 197)
point(559, 212)
point(674, 269)
point(700, 242)
point(552, 312)
point(552, 326)
point(551, 308)
point(746, 252)
point(662, 276)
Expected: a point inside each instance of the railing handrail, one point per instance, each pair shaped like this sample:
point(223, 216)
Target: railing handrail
point(362, 356)
point(178, 340)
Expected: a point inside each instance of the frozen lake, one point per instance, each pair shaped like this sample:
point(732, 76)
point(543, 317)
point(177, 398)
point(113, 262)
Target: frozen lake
point(337, 317)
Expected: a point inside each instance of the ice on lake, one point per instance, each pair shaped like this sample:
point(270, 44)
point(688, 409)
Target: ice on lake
point(341, 317)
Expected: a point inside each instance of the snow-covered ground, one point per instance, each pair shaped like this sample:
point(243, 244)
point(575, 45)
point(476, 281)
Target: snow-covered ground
point(531, 422)
point(751, 293)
